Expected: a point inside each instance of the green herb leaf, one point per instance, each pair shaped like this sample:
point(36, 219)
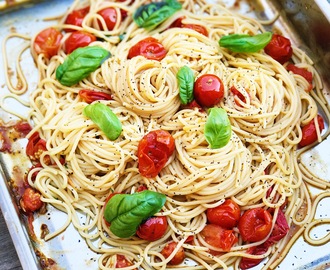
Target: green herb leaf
point(186, 79)
point(80, 63)
point(105, 119)
point(125, 212)
point(151, 15)
point(245, 43)
point(217, 128)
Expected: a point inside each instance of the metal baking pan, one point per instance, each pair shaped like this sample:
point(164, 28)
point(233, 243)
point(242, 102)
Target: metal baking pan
point(306, 22)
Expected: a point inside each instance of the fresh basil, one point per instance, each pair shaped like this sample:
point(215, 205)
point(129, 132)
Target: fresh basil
point(245, 43)
point(105, 119)
point(217, 130)
point(125, 212)
point(151, 15)
point(186, 79)
point(80, 63)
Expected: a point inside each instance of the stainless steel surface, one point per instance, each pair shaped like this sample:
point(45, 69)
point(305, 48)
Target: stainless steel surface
point(306, 25)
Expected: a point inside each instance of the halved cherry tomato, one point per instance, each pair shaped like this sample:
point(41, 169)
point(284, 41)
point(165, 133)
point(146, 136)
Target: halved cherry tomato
point(78, 39)
point(225, 215)
point(154, 150)
point(302, 72)
point(76, 17)
point(309, 134)
point(279, 48)
point(168, 250)
point(198, 28)
point(152, 229)
point(35, 146)
point(247, 263)
point(149, 47)
point(255, 224)
point(122, 261)
point(208, 90)
point(90, 95)
point(31, 200)
point(48, 42)
point(219, 237)
point(110, 17)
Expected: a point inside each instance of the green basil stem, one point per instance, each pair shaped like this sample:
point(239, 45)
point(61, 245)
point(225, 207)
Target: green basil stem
point(186, 78)
point(105, 119)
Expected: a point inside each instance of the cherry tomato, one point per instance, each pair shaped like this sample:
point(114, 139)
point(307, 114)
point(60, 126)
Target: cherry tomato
point(238, 94)
point(110, 18)
point(76, 17)
point(219, 237)
point(279, 48)
point(78, 39)
point(255, 224)
point(198, 28)
point(31, 200)
point(90, 95)
point(302, 72)
point(23, 127)
point(154, 150)
point(168, 250)
point(35, 146)
point(280, 230)
point(247, 263)
point(208, 90)
point(152, 229)
point(141, 188)
point(225, 215)
point(149, 47)
point(48, 42)
point(122, 261)
point(309, 134)
point(192, 105)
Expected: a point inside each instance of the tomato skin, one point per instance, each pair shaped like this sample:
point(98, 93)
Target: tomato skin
point(110, 18)
point(35, 147)
point(149, 47)
point(178, 257)
point(219, 237)
point(23, 127)
point(90, 96)
point(255, 224)
point(152, 229)
point(225, 215)
point(309, 134)
point(48, 42)
point(76, 17)
point(198, 28)
point(122, 261)
point(302, 72)
point(208, 90)
point(78, 39)
point(154, 150)
point(237, 93)
point(279, 48)
point(31, 200)
point(247, 263)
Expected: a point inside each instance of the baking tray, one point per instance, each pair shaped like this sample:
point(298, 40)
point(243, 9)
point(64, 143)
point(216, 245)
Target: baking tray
point(307, 23)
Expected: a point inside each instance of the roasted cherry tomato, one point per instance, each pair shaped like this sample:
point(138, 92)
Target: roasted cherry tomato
point(78, 39)
point(247, 263)
point(279, 48)
point(90, 95)
point(48, 42)
point(76, 17)
point(255, 224)
point(149, 47)
point(23, 127)
point(35, 146)
point(109, 16)
point(198, 28)
point(168, 250)
point(225, 215)
point(122, 261)
point(154, 150)
point(152, 229)
point(208, 90)
point(219, 237)
point(302, 72)
point(309, 134)
point(31, 200)
point(280, 230)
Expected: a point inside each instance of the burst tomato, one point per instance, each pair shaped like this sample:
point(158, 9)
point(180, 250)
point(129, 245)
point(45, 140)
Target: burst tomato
point(247, 263)
point(225, 215)
point(109, 16)
point(255, 224)
point(154, 150)
point(48, 42)
point(219, 237)
point(309, 134)
point(78, 39)
point(90, 95)
point(31, 200)
point(302, 72)
point(152, 229)
point(76, 17)
point(149, 47)
point(198, 28)
point(168, 250)
point(279, 48)
point(35, 146)
point(208, 90)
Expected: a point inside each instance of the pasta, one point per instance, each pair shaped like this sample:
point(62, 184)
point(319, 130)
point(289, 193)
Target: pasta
point(258, 167)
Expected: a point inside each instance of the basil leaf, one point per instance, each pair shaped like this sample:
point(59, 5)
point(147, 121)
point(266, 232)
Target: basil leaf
point(151, 15)
point(80, 63)
point(217, 130)
point(126, 212)
point(186, 79)
point(105, 119)
point(245, 43)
